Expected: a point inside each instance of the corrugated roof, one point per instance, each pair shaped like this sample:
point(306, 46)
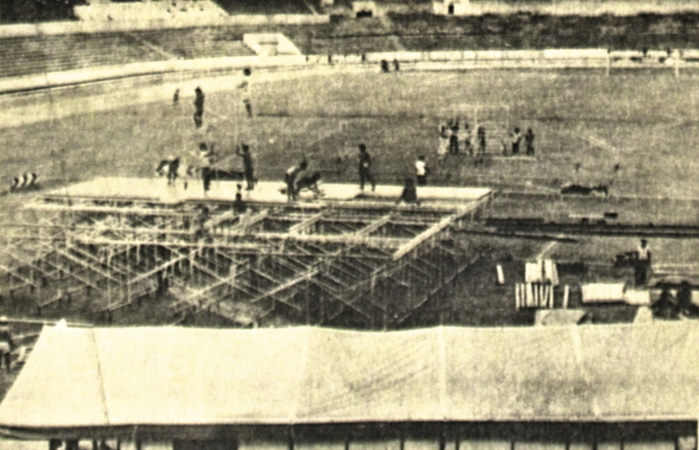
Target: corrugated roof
point(184, 376)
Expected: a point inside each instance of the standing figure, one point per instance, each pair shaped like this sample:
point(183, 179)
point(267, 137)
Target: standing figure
point(172, 170)
point(176, 97)
point(516, 140)
point(443, 148)
point(244, 88)
point(6, 343)
point(468, 144)
point(480, 136)
point(365, 168)
point(248, 169)
point(422, 171)
point(169, 167)
point(409, 194)
point(290, 178)
point(239, 206)
point(529, 142)
point(454, 138)
point(198, 107)
point(642, 263)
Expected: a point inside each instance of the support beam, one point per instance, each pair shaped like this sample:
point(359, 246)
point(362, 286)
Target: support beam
point(367, 230)
point(301, 227)
point(291, 283)
point(86, 265)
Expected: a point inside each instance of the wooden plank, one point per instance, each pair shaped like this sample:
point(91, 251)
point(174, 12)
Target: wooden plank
point(86, 265)
point(367, 230)
point(286, 285)
point(17, 276)
point(302, 226)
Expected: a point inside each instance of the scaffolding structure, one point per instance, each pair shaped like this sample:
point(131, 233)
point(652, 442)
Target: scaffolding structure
point(360, 259)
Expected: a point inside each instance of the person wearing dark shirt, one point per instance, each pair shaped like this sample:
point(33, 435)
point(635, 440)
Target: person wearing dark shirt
point(244, 88)
point(239, 206)
point(309, 182)
point(409, 194)
point(480, 136)
point(248, 168)
point(365, 168)
point(198, 107)
point(529, 142)
point(684, 300)
point(666, 306)
point(169, 167)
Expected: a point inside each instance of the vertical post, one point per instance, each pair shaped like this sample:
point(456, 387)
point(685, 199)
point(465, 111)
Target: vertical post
point(609, 61)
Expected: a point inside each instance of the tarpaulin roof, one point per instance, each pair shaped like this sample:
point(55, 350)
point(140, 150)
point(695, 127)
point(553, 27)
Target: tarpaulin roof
point(185, 376)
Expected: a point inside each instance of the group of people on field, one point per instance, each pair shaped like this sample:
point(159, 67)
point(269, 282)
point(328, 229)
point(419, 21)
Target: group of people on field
point(456, 137)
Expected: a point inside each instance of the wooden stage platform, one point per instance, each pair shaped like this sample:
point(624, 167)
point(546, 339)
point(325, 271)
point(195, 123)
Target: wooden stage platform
point(156, 190)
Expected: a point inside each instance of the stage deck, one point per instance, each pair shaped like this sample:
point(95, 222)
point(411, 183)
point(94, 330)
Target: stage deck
point(156, 190)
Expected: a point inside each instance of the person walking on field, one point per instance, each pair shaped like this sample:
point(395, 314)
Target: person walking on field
point(244, 88)
point(365, 168)
point(443, 148)
point(248, 169)
point(516, 140)
point(198, 107)
point(529, 142)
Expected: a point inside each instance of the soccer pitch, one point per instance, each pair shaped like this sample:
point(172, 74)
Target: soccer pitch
point(585, 124)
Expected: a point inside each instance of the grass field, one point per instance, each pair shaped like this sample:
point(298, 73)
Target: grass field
point(644, 122)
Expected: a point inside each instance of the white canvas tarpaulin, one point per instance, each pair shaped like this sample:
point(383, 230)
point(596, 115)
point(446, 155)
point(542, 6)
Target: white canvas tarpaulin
point(185, 376)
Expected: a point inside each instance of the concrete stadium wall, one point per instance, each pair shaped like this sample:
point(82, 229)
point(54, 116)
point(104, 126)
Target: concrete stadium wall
point(567, 7)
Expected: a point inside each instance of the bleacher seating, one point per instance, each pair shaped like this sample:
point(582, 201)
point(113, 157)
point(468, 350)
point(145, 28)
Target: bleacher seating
point(206, 42)
point(29, 55)
point(409, 32)
point(268, 7)
point(348, 45)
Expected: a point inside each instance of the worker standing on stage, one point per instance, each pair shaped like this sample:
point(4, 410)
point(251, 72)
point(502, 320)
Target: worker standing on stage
point(244, 89)
point(365, 168)
point(248, 169)
point(409, 194)
point(207, 157)
point(6, 343)
point(198, 107)
point(421, 171)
